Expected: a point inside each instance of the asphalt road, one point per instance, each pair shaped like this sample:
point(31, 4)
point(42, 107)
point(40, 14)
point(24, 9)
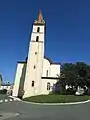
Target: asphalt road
point(2, 97)
point(29, 111)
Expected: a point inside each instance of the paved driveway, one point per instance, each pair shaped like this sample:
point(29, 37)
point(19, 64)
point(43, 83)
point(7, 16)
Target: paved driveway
point(41, 112)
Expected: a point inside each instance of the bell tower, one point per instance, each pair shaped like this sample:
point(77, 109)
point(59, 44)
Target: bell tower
point(32, 84)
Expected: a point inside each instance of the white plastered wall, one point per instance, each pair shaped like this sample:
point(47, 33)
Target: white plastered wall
point(31, 72)
point(17, 78)
point(46, 66)
point(41, 28)
point(37, 60)
point(35, 33)
point(54, 70)
point(44, 85)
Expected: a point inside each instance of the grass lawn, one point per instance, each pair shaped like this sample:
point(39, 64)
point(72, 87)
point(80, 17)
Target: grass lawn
point(56, 98)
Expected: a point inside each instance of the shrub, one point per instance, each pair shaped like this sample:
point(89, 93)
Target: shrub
point(70, 91)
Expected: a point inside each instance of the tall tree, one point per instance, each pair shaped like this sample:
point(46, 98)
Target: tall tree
point(70, 72)
point(75, 75)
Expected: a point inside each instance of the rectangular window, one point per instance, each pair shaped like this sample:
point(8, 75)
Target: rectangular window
point(48, 86)
point(47, 73)
point(32, 83)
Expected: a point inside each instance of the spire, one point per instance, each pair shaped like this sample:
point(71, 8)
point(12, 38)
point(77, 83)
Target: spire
point(40, 18)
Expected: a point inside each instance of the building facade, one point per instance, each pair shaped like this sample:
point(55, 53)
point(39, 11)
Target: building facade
point(37, 74)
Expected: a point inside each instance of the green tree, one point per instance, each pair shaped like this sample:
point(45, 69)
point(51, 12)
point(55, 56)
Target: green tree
point(83, 74)
point(70, 73)
point(75, 75)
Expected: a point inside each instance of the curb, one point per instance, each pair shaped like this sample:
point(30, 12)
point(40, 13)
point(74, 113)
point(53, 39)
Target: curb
point(15, 98)
point(51, 104)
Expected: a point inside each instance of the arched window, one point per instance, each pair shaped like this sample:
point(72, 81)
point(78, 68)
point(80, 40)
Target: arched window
point(34, 66)
point(47, 73)
point(37, 38)
point(38, 29)
point(48, 86)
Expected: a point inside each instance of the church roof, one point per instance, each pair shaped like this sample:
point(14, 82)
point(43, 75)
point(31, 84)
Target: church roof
point(56, 63)
point(51, 62)
point(50, 78)
point(48, 59)
point(21, 62)
point(40, 19)
point(25, 61)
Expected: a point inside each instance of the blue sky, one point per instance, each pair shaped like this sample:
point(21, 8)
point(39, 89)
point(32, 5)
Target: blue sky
point(67, 31)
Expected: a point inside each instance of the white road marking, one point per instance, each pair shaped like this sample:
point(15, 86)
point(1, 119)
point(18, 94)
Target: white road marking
point(15, 99)
point(6, 100)
point(1, 101)
point(10, 99)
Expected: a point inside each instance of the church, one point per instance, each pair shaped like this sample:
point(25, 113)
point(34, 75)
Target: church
point(37, 74)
